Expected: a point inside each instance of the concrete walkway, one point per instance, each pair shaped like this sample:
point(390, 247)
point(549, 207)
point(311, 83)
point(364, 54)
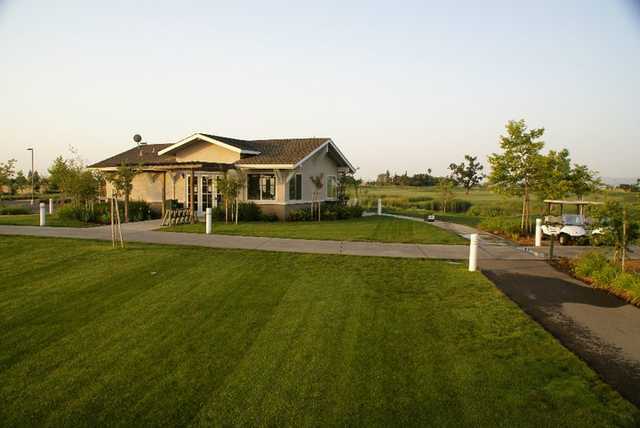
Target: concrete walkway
point(144, 232)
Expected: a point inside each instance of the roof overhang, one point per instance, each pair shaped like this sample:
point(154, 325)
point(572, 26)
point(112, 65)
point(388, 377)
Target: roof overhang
point(202, 137)
point(325, 146)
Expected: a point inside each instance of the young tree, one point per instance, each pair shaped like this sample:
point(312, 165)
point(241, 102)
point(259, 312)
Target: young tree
point(20, 182)
point(621, 226)
point(583, 181)
point(318, 183)
point(7, 171)
point(515, 170)
point(36, 180)
point(73, 181)
point(445, 188)
point(467, 173)
point(553, 181)
point(122, 181)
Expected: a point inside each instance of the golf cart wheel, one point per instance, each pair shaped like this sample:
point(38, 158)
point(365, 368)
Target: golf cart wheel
point(563, 239)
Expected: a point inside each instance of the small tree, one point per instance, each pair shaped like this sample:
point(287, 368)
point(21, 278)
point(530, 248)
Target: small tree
point(73, 181)
point(122, 181)
point(318, 183)
point(467, 173)
point(515, 170)
point(7, 171)
point(445, 188)
point(20, 182)
point(583, 181)
point(621, 227)
point(553, 180)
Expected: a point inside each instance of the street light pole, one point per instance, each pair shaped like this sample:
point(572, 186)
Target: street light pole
point(32, 173)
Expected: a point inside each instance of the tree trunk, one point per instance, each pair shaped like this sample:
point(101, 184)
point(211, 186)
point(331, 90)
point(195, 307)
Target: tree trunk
point(126, 207)
point(226, 210)
point(237, 209)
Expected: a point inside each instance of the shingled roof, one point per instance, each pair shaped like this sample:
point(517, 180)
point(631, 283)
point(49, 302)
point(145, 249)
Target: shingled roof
point(146, 154)
point(254, 152)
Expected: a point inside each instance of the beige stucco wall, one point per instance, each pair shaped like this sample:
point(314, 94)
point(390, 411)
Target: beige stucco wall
point(206, 152)
point(147, 186)
point(318, 164)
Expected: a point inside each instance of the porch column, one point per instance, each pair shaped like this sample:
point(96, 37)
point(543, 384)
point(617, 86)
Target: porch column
point(193, 214)
point(164, 191)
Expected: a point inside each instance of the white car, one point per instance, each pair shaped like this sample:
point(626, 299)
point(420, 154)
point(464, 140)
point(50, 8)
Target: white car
point(567, 228)
point(430, 218)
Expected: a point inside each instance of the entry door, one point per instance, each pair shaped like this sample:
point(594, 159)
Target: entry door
point(207, 192)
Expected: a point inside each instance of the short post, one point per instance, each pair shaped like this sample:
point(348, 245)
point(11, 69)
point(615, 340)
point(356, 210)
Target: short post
point(50, 206)
point(43, 215)
point(473, 252)
point(209, 215)
point(379, 206)
point(538, 232)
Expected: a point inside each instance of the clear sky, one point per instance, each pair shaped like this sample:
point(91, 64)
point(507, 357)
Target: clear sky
point(397, 85)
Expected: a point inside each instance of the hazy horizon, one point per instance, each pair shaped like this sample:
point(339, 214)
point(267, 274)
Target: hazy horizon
point(398, 86)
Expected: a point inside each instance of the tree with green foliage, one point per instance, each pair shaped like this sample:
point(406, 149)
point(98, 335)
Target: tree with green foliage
point(620, 224)
point(36, 180)
point(514, 171)
point(122, 180)
point(445, 189)
point(553, 180)
point(73, 180)
point(7, 171)
point(583, 181)
point(20, 183)
point(467, 173)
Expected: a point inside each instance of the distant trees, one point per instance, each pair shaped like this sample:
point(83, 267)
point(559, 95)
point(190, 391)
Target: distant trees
point(421, 179)
point(467, 173)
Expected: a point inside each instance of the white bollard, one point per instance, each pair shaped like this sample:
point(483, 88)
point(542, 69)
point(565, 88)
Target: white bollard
point(473, 252)
point(209, 221)
point(43, 215)
point(538, 232)
point(50, 206)
point(379, 206)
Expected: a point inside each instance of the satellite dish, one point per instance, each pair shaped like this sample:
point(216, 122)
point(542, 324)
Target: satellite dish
point(137, 138)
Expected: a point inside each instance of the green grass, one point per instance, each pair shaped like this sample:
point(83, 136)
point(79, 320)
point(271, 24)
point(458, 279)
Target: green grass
point(34, 220)
point(174, 336)
point(380, 229)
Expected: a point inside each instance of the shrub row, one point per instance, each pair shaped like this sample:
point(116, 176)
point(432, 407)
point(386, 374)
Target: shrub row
point(247, 211)
point(14, 210)
point(602, 274)
point(99, 212)
point(330, 211)
point(505, 226)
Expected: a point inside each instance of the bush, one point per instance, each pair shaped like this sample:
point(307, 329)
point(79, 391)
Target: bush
point(100, 212)
point(247, 211)
point(603, 274)
point(506, 226)
point(330, 211)
point(14, 210)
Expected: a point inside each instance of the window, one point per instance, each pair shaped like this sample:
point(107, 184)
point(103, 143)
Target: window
point(261, 187)
point(332, 187)
point(295, 188)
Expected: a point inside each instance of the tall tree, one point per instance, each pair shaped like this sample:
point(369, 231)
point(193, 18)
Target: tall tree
point(515, 170)
point(122, 181)
point(467, 173)
point(20, 182)
point(554, 176)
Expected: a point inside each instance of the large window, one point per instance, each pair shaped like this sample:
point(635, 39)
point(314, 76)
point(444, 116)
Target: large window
point(332, 187)
point(295, 188)
point(261, 187)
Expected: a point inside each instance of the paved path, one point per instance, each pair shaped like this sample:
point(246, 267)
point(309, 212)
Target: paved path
point(144, 232)
point(600, 328)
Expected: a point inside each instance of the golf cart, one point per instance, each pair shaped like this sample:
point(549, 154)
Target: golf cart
point(569, 228)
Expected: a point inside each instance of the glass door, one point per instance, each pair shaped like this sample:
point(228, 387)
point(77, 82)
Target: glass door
point(207, 192)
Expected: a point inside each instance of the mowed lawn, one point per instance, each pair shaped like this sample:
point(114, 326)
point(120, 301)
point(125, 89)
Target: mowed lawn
point(373, 228)
point(175, 336)
point(34, 220)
